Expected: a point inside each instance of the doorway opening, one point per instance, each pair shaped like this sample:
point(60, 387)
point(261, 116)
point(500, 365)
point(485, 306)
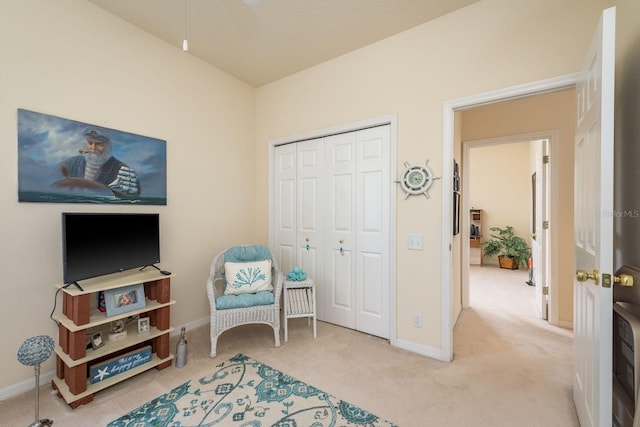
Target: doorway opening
point(499, 176)
point(452, 301)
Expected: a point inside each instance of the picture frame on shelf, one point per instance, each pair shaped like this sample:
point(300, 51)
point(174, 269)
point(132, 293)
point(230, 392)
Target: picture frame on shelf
point(143, 325)
point(96, 340)
point(117, 326)
point(117, 331)
point(125, 299)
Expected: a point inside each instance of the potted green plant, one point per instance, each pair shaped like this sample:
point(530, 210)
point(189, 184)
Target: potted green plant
point(512, 250)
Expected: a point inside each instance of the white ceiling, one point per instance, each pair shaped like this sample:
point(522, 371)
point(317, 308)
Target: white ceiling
point(263, 42)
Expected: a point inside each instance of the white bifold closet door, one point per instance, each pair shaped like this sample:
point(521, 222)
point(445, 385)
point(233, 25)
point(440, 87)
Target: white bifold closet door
point(332, 220)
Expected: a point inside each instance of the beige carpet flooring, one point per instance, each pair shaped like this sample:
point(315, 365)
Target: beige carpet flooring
point(510, 368)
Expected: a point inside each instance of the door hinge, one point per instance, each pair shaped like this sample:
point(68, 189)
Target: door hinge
point(545, 290)
point(545, 225)
point(545, 159)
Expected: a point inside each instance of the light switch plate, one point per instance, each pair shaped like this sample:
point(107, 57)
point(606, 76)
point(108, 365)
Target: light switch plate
point(415, 242)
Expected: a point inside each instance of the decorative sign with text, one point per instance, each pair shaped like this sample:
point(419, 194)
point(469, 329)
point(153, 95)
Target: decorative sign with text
point(120, 364)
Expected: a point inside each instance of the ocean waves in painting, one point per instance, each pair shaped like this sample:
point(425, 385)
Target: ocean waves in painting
point(44, 197)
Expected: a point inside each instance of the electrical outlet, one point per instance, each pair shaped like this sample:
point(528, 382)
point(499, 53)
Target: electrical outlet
point(417, 320)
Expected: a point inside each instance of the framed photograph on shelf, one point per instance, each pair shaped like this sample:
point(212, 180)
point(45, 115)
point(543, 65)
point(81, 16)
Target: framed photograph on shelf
point(125, 299)
point(96, 340)
point(143, 325)
point(117, 326)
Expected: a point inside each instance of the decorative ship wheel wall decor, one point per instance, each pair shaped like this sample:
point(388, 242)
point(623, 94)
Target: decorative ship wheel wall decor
point(417, 179)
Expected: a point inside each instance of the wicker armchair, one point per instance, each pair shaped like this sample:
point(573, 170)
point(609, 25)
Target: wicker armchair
point(228, 311)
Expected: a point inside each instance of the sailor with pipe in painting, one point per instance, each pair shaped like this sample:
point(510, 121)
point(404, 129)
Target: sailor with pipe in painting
point(96, 167)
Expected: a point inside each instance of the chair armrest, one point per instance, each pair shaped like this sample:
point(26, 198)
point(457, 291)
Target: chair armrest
point(277, 286)
point(212, 290)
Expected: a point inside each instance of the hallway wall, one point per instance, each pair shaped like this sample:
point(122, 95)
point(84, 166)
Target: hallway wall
point(500, 185)
point(548, 112)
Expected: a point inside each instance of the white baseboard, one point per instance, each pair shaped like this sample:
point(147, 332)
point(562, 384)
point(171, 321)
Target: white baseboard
point(563, 324)
point(191, 325)
point(46, 377)
point(25, 386)
point(434, 353)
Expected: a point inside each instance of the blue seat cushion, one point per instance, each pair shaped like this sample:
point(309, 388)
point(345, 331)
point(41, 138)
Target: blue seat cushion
point(226, 302)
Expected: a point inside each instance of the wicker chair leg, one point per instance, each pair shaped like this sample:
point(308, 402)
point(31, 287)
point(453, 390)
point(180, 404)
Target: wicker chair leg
point(276, 333)
point(214, 344)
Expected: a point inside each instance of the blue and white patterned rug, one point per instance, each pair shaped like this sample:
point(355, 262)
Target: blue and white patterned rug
point(247, 393)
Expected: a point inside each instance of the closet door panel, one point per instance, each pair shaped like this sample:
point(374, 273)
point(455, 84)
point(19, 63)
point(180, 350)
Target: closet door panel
point(340, 169)
point(285, 215)
point(372, 234)
point(370, 296)
point(372, 203)
point(342, 271)
point(342, 209)
point(310, 221)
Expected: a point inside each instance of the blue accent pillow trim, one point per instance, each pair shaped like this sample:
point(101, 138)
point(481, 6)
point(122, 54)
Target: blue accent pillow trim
point(226, 302)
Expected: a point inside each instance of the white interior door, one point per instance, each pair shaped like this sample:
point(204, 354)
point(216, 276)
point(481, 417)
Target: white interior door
point(373, 230)
point(298, 184)
point(340, 219)
point(285, 173)
point(592, 388)
point(310, 239)
point(540, 240)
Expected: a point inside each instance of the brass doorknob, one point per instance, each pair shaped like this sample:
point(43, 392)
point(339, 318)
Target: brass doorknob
point(583, 276)
point(625, 280)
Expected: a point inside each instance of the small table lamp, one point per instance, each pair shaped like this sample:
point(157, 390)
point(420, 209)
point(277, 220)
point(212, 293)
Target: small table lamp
point(33, 352)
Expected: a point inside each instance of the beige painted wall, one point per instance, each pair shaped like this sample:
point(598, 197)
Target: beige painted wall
point(71, 59)
point(550, 112)
point(500, 185)
point(489, 45)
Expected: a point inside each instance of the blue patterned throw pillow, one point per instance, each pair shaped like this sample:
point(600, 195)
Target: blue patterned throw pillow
point(247, 277)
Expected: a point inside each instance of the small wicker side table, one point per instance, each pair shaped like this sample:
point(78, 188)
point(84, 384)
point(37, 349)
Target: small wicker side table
point(299, 301)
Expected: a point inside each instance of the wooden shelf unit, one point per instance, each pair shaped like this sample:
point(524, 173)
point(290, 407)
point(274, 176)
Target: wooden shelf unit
point(79, 316)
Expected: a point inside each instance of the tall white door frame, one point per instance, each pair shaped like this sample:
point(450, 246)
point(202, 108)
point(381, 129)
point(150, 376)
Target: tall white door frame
point(552, 137)
point(540, 239)
point(392, 121)
point(448, 114)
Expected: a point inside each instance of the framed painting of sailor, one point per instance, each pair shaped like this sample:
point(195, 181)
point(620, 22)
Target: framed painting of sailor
point(66, 161)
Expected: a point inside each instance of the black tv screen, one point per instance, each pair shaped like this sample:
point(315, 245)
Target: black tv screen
point(94, 244)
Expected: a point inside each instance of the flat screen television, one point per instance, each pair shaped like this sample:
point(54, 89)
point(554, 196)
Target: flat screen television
point(95, 244)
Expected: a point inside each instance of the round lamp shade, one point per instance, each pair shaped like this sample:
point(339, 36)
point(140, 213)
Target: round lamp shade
point(35, 350)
